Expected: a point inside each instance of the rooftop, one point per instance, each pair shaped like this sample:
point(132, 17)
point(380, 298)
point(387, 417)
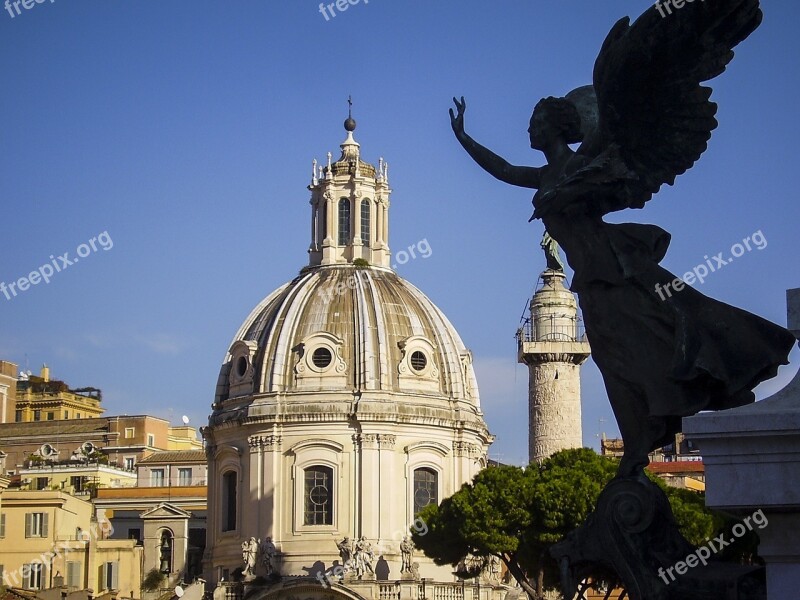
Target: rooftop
point(175, 456)
point(677, 466)
point(196, 491)
point(63, 427)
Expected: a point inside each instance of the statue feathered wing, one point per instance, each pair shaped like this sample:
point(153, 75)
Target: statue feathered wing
point(654, 118)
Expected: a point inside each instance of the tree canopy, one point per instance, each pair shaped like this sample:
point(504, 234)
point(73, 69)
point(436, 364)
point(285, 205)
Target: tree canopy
point(516, 514)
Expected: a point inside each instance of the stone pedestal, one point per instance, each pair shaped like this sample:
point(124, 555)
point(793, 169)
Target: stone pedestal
point(752, 460)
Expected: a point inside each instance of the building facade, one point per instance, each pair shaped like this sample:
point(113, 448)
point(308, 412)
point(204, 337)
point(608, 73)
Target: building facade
point(165, 514)
point(39, 398)
point(8, 391)
point(345, 403)
point(49, 537)
point(122, 440)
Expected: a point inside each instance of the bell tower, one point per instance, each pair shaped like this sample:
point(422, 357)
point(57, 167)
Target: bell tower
point(349, 208)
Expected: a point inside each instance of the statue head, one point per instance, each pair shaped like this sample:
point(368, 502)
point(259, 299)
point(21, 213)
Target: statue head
point(553, 118)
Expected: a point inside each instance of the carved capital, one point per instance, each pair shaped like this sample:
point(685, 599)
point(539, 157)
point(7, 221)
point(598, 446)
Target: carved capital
point(365, 440)
point(210, 449)
point(465, 449)
point(264, 442)
point(386, 440)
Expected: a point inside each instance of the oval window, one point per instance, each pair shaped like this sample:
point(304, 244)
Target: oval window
point(418, 361)
point(321, 357)
point(241, 366)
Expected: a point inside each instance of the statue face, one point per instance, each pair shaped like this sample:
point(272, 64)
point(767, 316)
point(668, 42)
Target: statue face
point(542, 130)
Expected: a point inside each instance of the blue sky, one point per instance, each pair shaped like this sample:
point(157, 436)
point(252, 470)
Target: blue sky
point(186, 131)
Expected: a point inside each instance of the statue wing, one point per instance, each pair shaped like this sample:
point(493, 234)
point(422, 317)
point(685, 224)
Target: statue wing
point(653, 111)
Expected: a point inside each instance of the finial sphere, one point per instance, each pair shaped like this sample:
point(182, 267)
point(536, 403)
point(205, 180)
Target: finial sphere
point(350, 124)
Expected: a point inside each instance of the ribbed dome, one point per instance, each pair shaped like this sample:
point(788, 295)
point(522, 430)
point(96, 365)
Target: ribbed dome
point(345, 329)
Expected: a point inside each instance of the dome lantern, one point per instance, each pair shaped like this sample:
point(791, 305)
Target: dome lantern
point(349, 208)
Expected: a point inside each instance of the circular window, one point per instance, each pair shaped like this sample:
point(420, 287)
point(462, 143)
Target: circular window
point(318, 495)
point(241, 366)
point(423, 497)
point(322, 357)
point(418, 361)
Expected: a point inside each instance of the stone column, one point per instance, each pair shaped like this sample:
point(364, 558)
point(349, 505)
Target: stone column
point(379, 210)
point(385, 232)
point(388, 487)
point(463, 455)
point(270, 506)
point(553, 347)
point(250, 499)
point(370, 486)
point(355, 213)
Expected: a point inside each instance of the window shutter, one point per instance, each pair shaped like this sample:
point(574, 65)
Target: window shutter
point(28, 519)
point(44, 524)
point(103, 572)
point(2, 525)
point(114, 575)
point(26, 576)
point(73, 574)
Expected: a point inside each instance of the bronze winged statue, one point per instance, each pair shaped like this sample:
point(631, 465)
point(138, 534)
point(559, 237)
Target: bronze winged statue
point(646, 119)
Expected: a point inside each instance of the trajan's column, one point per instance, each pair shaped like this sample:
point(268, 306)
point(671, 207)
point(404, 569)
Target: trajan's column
point(552, 344)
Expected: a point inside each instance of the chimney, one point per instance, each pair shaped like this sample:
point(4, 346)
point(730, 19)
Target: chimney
point(45, 374)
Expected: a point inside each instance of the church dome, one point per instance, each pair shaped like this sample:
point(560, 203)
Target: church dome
point(345, 404)
point(348, 330)
point(352, 330)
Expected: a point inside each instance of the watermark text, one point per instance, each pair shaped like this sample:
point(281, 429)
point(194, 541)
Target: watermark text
point(711, 265)
point(13, 5)
point(57, 264)
point(661, 5)
point(703, 553)
point(330, 9)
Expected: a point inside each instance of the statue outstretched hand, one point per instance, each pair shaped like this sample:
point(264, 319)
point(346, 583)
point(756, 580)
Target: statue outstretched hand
point(457, 119)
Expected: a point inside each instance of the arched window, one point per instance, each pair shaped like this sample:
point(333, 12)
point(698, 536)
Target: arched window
point(344, 221)
point(365, 222)
point(228, 506)
point(165, 551)
point(426, 488)
point(323, 217)
point(318, 496)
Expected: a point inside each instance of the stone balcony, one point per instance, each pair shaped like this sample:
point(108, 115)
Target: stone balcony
point(309, 587)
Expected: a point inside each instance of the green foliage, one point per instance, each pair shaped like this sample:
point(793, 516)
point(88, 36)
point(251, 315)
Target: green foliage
point(97, 456)
point(152, 581)
point(360, 263)
point(566, 490)
point(695, 521)
point(517, 514)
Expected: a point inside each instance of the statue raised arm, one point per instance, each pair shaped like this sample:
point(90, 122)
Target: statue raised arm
point(528, 177)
